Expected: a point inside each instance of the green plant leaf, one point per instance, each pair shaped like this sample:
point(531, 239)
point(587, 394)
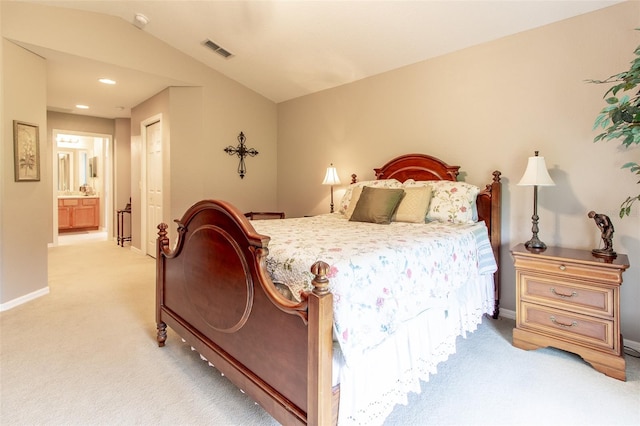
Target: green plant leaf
point(620, 118)
point(627, 117)
point(599, 121)
point(616, 116)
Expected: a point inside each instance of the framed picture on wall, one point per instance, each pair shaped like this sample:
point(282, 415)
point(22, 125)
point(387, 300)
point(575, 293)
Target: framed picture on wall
point(26, 148)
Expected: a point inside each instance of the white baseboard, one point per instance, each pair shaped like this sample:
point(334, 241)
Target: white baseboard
point(631, 344)
point(506, 313)
point(24, 299)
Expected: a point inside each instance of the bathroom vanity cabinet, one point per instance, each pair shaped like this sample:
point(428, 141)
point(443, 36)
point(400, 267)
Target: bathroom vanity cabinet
point(78, 213)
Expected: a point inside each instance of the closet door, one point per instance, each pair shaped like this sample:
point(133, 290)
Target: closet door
point(153, 184)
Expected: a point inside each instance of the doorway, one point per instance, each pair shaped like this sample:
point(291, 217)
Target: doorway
point(82, 165)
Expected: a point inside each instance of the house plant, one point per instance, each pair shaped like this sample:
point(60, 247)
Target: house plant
point(620, 119)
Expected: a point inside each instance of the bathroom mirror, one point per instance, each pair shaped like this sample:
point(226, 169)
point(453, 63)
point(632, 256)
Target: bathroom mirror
point(83, 163)
point(65, 176)
point(73, 169)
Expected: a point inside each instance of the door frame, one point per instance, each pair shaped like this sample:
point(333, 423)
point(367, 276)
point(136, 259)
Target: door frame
point(144, 175)
point(106, 193)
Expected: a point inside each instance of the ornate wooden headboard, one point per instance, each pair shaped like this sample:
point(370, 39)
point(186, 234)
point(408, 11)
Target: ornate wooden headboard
point(425, 167)
point(417, 167)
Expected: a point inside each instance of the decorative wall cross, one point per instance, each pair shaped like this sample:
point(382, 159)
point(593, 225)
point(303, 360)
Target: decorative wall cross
point(241, 151)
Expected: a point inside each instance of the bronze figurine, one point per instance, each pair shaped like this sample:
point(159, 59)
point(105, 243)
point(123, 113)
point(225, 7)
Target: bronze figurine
point(606, 228)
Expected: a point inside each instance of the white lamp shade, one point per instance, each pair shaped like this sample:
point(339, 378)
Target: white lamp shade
point(536, 173)
point(331, 178)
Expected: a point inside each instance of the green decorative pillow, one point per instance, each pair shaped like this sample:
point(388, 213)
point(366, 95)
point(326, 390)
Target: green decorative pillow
point(349, 192)
point(377, 205)
point(413, 207)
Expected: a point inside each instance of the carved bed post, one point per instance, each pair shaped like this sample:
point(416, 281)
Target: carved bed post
point(162, 244)
point(320, 303)
point(496, 238)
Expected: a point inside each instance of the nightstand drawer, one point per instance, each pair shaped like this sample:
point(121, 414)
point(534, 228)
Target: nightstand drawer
point(569, 326)
point(567, 294)
point(560, 268)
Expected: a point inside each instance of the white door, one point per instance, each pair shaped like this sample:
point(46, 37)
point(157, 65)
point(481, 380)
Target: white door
point(153, 133)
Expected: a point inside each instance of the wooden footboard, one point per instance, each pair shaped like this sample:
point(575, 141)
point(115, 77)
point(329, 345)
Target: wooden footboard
point(213, 290)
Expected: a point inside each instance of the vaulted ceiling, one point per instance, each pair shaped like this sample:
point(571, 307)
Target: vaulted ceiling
point(284, 49)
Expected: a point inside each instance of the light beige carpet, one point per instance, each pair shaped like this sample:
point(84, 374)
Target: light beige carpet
point(86, 354)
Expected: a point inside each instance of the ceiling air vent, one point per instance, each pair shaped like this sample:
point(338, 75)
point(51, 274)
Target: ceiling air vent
point(219, 50)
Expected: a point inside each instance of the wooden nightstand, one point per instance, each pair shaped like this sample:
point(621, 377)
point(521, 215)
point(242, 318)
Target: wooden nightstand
point(570, 300)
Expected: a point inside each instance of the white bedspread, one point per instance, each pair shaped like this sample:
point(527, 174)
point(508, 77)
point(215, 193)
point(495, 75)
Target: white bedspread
point(381, 275)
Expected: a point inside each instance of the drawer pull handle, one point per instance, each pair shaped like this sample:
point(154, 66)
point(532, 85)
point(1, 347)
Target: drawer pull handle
point(562, 267)
point(573, 293)
point(561, 324)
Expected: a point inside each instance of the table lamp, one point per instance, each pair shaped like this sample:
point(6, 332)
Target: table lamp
point(331, 178)
point(535, 175)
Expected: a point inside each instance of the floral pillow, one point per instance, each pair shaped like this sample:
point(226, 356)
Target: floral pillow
point(453, 202)
point(382, 183)
point(355, 196)
point(409, 183)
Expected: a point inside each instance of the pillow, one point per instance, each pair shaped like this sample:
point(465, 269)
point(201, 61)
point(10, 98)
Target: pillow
point(377, 205)
point(410, 183)
point(452, 202)
point(355, 196)
point(382, 183)
point(413, 207)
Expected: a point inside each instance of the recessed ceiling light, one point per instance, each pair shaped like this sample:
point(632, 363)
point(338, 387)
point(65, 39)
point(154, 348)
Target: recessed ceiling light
point(82, 107)
point(107, 81)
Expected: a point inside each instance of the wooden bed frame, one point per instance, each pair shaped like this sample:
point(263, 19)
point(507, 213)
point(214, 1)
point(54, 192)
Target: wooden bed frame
point(214, 291)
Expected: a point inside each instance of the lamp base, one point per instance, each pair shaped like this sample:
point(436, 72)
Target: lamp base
point(534, 244)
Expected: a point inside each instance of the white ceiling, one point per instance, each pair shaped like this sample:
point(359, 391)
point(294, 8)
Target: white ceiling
point(284, 49)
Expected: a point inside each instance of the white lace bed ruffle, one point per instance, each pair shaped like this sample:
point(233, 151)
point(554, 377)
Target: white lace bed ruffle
point(371, 387)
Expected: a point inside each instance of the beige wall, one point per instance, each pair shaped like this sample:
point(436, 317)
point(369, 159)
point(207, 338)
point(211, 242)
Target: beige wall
point(78, 123)
point(210, 110)
point(155, 107)
point(486, 108)
point(198, 123)
point(25, 206)
point(122, 162)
